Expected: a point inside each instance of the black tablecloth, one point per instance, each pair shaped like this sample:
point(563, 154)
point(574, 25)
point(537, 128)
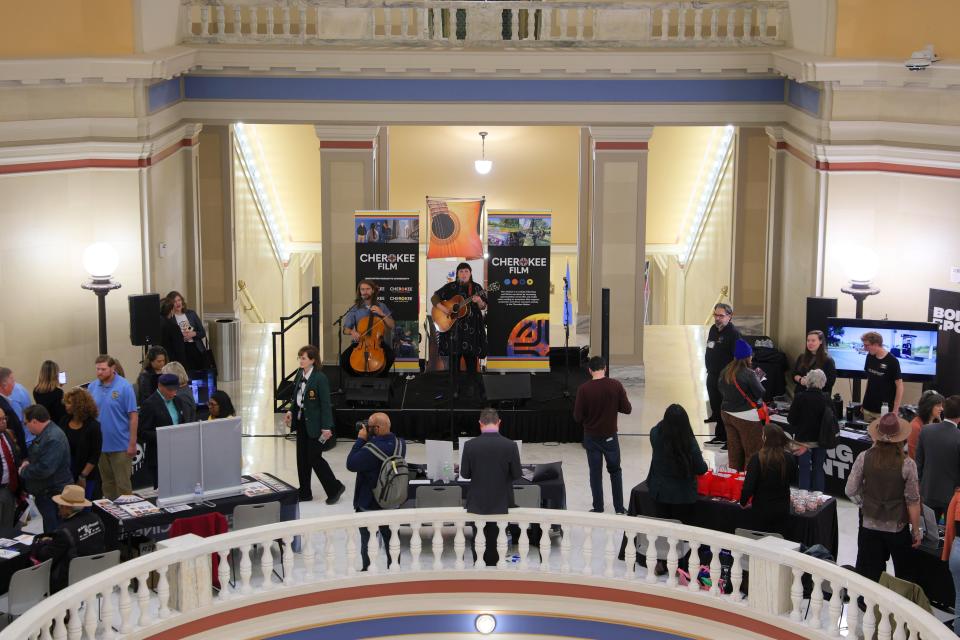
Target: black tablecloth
point(553, 492)
point(810, 528)
point(933, 576)
point(10, 566)
point(157, 526)
point(850, 444)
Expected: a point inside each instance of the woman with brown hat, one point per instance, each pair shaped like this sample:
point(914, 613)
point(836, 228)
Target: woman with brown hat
point(883, 481)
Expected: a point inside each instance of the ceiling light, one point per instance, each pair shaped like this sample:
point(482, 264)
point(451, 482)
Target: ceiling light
point(485, 623)
point(483, 166)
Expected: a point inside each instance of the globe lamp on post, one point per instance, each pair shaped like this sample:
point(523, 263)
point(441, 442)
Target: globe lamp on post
point(861, 267)
point(100, 260)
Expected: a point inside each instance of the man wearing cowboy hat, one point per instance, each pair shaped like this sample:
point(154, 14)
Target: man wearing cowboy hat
point(80, 534)
point(883, 481)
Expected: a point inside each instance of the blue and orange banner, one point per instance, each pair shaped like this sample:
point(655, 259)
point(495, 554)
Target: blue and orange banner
point(518, 284)
point(388, 252)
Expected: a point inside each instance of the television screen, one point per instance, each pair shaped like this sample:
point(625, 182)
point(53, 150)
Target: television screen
point(914, 344)
point(202, 384)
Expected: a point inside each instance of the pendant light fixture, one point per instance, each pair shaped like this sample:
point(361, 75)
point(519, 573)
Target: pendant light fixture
point(483, 166)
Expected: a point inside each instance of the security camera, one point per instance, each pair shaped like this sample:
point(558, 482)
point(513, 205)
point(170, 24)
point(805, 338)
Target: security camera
point(922, 59)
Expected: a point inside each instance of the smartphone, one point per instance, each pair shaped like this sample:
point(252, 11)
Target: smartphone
point(63, 377)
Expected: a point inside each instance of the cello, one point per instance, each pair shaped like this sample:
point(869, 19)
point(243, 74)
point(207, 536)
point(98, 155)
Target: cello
point(368, 355)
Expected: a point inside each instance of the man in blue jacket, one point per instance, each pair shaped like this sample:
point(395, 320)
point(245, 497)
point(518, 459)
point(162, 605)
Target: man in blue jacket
point(367, 467)
point(46, 471)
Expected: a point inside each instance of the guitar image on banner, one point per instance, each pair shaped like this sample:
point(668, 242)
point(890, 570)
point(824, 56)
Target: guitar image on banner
point(455, 227)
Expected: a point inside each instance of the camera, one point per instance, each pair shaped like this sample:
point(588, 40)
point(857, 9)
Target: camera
point(365, 424)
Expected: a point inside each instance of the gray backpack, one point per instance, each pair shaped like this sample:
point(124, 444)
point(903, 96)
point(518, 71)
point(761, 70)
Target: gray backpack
point(392, 482)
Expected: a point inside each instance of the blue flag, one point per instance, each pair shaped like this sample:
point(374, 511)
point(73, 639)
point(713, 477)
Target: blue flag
point(567, 306)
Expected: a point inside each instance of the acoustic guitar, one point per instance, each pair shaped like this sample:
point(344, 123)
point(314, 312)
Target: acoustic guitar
point(447, 312)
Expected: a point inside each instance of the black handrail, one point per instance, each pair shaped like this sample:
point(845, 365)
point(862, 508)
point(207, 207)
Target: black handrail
point(282, 381)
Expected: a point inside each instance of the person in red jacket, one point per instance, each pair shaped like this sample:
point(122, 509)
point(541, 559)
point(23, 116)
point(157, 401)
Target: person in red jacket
point(596, 407)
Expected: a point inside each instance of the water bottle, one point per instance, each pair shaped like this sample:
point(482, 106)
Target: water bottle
point(884, 409)
point(197, 494)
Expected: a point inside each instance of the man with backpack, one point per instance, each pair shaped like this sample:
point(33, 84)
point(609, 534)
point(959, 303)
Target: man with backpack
point(378, 458)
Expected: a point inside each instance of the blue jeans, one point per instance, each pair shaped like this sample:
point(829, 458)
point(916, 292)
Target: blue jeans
point(598, 450)
point(812, 479)
point(954, 564)
point(49, 512)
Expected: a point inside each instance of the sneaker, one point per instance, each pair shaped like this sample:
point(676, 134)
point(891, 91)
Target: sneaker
point(335, 498)
point(596, 510)
point(710, 419)
point(714, 442)
point(304, 496)
point(724, 447)
point(621, 512)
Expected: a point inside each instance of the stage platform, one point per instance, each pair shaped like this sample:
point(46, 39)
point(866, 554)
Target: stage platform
point(419, 409)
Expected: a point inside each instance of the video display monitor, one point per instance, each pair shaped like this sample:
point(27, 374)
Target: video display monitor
point(913, 344)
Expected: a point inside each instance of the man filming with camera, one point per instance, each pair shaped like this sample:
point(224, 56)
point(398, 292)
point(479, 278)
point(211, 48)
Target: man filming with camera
point(378, 458)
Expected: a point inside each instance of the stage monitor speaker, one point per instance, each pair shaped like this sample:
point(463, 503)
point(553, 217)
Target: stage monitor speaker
point(510, 386)
point(145, 320)
point(367, 392)
point(818, 310)
point(574, 356)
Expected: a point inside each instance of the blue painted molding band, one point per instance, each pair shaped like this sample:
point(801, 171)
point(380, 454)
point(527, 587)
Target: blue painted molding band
point(753, 90)
point(163, 94)
point(804, 96)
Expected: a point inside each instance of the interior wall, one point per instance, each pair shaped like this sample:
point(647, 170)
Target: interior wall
point(750, 232)
point(48, 220)
point(709, 268)
point(894, 29)
point(54, 28)
point(257, 265)
point(216, 227)
point(171, 221)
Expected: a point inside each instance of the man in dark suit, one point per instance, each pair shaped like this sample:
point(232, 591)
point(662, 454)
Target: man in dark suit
point(10, 458)
point(161, 409)
point(492, 463)
point(938, 458)
point(14, 425)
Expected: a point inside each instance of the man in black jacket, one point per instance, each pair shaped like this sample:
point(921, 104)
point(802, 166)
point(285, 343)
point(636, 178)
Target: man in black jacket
point(719, 353)
point(80, 533)
point(161, 409)
point(492, 463)
point(14, 424)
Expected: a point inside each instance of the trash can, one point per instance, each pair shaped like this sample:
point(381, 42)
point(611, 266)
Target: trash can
point(226, 349)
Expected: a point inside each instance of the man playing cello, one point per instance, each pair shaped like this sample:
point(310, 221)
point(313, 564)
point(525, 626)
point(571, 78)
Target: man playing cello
point(367, 318)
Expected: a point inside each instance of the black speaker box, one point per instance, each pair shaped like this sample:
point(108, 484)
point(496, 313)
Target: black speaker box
point(818, 310)
point(145, 320)
point(561, 356)
point(367, 392)
point(511, 386)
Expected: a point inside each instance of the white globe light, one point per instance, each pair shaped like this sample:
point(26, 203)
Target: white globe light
point(486, 623)
point(100, 260)
point(483, 167)
point(861, 264)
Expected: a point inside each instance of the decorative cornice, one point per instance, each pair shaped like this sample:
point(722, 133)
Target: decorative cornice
point(807, 67)
point(621, 138)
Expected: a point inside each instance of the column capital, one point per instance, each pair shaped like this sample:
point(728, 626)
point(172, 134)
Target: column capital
point(358, 138)
point(776, 138)
point(621, 138)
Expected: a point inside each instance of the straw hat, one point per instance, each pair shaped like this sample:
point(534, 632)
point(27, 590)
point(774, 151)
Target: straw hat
point(73, 496)
point(889, 428)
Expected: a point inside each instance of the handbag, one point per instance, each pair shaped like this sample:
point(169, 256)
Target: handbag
point(762, 410)
point(829, 429)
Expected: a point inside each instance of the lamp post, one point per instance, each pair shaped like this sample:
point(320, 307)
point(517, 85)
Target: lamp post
point(101, 260)
point(861, 268)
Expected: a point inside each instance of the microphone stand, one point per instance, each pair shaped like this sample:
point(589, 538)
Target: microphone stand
point(566, 347)
point(339, 321)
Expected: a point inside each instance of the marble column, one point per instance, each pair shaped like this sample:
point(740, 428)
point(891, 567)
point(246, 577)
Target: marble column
point(348, 182)
point(618, 240)
point(777, 154)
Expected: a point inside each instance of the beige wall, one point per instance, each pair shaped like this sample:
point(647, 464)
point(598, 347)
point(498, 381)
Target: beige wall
point(171, 222)
point(750, 231)
point(50, 28)
point(709, 268)
point(48, 220)
point(216, 227)
point(256, 263)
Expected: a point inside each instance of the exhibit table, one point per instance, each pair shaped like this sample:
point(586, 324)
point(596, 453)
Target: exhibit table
point(553, 492)
point(717, 514)
point(840, 459)
point(9, 566)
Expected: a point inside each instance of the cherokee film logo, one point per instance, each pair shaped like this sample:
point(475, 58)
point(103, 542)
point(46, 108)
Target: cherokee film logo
point(530, 336)
point(388, 261)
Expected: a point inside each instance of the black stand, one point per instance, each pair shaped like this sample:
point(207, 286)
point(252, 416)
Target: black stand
point(860, 292)
point(454, 361)
point(339, 324)
point(566, 361)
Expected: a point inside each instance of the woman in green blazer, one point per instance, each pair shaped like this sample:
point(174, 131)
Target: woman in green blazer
point(312, 417)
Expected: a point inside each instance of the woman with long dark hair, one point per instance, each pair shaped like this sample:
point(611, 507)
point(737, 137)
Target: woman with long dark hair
point(48, 392)
point(815, 356)
point(769, 474)
point(86, 439)
point(676, 463)
point(155, 361)
point(183, 334)
point(741, 391)
point(220, 405)
point(929, 410)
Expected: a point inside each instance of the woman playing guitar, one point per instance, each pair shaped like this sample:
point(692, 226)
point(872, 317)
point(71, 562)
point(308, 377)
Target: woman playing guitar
point(368, 318)
point(470, 331)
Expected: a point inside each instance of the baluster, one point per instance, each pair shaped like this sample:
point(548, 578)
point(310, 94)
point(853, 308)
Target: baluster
point(731, 22)
point(587, 551)
point(747, 24)
point(672, 562)
point(502, 544)
point(646, 24)
point(373, 550)
point(302, 18)
point(143, 599)
point(317, 26)
point(331, 554)
point(246, 568)
point(237, 22)
point(762, 19)
point(901, 632)
point(254, 21)
point(630, 555)
point(693, 565)
point(285, 13)
point(664, 23)
point(204, 21)
point(59, 629)
point(651, 576)
point(387, 22)
point(681, 23)
point(270, 22)
point(514, 24)
point(884, 627)
point(532, 24)
point(188, 21)
point(352, 552)
point(816, 602)
point(564, 20)
point(45, 632)
point(394, 550)
point(416, 546)
point(74, 628)
point(546, 30)
point(266, 565)
point(480, 544)
point(714, 24)
point(609, 554)
point(869, 618)
point(404, 22)
point(437, 545)
point(736, 576)
point(287, 560)
point(309, 555)
point(223, 574)
point(163, 591)
point(106, 612)
point(459, 546)
point(423, 21)
point(579, 35)
point(523, 544)
point(836, 608)
point(715, 571)
point(221, 21)
point(698, 24)
point(90, 617)
point(854, 615)
point(778, 22)
point(546, 549)
point(796, 595)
